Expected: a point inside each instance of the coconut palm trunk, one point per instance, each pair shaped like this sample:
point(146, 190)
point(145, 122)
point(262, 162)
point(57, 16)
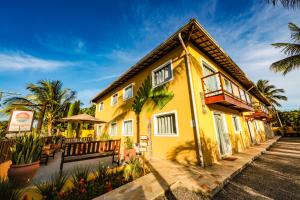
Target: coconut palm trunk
point(137, 127)
point(40, 119)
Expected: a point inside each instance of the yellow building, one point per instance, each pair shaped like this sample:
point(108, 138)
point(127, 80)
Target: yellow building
point(215, 112)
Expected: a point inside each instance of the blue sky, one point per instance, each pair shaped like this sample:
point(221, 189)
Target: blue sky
point(87, 44)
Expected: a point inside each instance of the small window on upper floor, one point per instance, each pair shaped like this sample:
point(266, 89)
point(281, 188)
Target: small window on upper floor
point(128, 92)
point(101, 106)
point(114, 99)
point(162, 74)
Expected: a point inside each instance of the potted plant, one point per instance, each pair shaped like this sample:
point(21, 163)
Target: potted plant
point(25, 158)
point(129, 150)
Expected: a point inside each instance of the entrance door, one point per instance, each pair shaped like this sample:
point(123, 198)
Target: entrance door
point(222, 135)
point(251, 131)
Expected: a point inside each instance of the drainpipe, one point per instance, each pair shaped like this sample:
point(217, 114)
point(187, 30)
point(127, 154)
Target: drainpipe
point(193, 106)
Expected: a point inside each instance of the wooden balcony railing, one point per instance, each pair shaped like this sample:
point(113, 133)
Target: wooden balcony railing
point(218, 88)
point(260, 111)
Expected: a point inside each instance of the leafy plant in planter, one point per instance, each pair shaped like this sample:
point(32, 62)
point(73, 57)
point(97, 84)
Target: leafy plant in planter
point(25, 158)
point(8, 190)
point(133, 169)
point(51, 189)
point(129, 150)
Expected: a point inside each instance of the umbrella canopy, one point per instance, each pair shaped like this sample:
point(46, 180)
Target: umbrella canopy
point(82, 118)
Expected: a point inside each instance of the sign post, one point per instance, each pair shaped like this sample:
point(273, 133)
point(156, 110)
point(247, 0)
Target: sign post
point(20, 121)
point(143, 148)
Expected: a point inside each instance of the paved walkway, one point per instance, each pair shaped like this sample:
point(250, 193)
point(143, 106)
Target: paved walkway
point(166, 174)
point(274, 175)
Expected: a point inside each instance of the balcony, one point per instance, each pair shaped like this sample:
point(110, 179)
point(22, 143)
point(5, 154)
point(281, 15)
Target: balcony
point(260, 112)
point(219, 89)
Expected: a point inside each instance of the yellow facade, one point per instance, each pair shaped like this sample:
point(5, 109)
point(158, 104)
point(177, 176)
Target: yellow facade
point(180, 148)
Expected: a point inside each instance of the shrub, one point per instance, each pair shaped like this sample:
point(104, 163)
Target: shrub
point(8, 191)
point(133, 169)
point(128, 143)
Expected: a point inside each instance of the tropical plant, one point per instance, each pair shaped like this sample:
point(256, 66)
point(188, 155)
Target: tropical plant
point(47, 98)
point(160, 96)
point(291, 50)
point(89, 110)
point(128, 144)
point(285, 3)
point(51, 189)
point(27, 149)
point(133, 169)
point(105, 136)
point(73, 109)
point(273, 94)
point(8, 190)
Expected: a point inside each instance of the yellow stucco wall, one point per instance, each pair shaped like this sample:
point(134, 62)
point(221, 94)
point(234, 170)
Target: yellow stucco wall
point(180, 148)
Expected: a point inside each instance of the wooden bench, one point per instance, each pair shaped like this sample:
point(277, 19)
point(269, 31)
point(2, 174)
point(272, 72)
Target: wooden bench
point(82, 139)
point(77, 151)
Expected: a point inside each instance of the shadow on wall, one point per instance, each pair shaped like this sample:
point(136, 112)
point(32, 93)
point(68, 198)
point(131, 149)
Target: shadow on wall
point(209, 150)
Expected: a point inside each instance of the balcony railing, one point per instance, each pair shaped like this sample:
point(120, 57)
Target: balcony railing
point(260, 111)
point(218, 88)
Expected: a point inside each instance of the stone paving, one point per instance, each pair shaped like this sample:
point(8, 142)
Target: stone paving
point(167, 174)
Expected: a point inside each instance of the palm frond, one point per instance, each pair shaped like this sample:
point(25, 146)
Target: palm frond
point(286, 3)
point(286, 65)
point(288, 48)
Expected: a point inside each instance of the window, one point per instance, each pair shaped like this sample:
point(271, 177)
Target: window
point(228, 86)
point(236, 123)
point(162, 74)
point(113, 129)
point(101, 106)
point(166, 124)
point(128, 92)
point(212, 82)
point(114, 99)
point(127, 128)
point(99, 129)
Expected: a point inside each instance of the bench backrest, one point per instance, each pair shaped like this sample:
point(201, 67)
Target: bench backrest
point(90, 147)
point(82, 139)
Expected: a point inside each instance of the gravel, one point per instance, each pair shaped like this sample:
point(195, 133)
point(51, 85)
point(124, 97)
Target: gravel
point(181, 193)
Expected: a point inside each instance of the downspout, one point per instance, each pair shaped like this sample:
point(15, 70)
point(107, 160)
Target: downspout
point(193, 107)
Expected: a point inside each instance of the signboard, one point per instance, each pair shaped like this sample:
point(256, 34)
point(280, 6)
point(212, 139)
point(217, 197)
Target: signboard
point(20, 120)
point(143, 143)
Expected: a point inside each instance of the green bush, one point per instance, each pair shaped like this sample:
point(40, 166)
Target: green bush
point(128, 144)
point(133, 169)
point(8, 190)
point(27, 149)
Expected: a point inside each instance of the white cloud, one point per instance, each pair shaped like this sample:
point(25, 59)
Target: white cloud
point(19, 60)
point(102, 78)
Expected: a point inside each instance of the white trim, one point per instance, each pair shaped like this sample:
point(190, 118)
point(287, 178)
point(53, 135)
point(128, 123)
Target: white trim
point(130, 85)
point(176, 123)
point(203, 62)
point(111, 99)
point(126, 120)
point(99, 106)
point(239, 123)
point(110, 124)
point(158, 68)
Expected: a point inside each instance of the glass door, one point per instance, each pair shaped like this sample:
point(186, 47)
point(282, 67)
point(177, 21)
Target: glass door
point(222, 135)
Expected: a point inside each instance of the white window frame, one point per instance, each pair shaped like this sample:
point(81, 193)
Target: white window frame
point(238, 123)
point(176, 124)
point(123, 127)
point(101, 103)
point(158, 68)
point(110, 126)
point(111, 99)
point(130, 85)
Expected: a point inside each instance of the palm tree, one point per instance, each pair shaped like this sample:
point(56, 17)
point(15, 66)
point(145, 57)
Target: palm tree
point(46, 97)
point(292, 50)
point(159, 96)
point(273, 94)
point(286, 3)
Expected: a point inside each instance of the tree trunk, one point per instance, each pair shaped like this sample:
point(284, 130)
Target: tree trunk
point(138, 128)
point(40, 119)
point(49, 125)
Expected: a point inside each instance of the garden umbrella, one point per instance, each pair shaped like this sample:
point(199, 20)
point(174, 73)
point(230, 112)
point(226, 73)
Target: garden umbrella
point(81, 118)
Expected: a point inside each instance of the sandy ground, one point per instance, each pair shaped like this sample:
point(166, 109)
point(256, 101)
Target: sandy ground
point(274, 175)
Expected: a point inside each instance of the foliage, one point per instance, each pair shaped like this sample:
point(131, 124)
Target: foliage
point(133, 169)
point(273, 94)
point(8, 190)
point(27, 149)
point(57, 139)
point(290, 119)
point(105, 136)
point(128, 144)
point(51, 98)
point(89, 110)
point(291, 50)
point(286, 3)
point(73, 109)
point(3, 128)
point(51, 189)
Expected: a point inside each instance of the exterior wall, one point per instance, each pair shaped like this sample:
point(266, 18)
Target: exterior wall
point(239, 140)
point(179, 148)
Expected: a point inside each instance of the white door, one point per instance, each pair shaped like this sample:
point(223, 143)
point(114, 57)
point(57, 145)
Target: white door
point(251, 131)
point(222, 134)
